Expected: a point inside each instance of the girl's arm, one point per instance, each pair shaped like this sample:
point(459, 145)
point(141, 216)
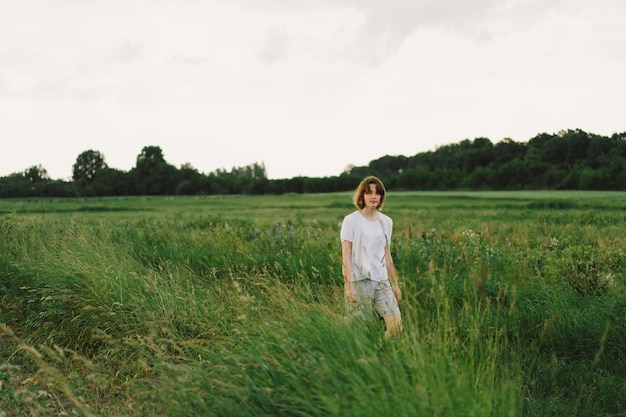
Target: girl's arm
point(346, 270)
point(392, 274)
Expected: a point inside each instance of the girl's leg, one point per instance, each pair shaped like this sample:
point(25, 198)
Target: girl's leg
point(393, 325)
point(387, 307)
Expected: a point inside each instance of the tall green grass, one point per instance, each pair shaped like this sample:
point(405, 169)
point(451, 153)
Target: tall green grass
point(242, 315)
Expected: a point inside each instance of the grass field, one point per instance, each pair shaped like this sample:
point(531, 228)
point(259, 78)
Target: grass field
point(513, 305)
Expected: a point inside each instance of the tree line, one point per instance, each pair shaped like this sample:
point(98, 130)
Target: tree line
point(567, 160)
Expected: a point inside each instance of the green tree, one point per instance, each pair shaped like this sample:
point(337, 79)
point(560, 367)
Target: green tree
point(598, 150)
point(478, 179)
point(152, 175)
point(34, 182)
point(35, 174)
point(85, 169)
point(111, 182)
point(551, 149)
point(191, 181)
point(507, 150)
point(427, 179)
point(577, 145)
point(389, 164)
point(87, 165)
point(14, 186)
point(511, 175)
point(478, 154)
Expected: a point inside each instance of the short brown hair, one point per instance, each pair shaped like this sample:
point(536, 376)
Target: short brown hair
point(364, 186)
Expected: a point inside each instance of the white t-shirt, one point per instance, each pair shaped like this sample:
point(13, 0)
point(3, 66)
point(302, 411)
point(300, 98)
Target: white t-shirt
point(369, 239)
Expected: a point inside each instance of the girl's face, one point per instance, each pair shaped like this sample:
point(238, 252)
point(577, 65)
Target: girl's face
point(372, 197)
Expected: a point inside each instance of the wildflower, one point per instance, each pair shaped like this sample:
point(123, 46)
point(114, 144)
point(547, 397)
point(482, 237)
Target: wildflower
point(610, 279)
point(470, 235)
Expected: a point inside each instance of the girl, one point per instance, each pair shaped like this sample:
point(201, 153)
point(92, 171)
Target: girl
point(370, 279)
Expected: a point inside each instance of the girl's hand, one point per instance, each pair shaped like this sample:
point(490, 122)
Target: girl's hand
point(396, 292)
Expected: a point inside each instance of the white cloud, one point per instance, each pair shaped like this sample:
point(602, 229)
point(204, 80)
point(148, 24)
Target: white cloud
point(127, 51)
point(306, 86)
point(275, 47)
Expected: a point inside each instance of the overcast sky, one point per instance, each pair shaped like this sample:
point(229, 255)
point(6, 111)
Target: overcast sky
point(305, 86)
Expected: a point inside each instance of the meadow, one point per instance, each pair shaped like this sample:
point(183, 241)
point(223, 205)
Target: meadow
point(513, 305)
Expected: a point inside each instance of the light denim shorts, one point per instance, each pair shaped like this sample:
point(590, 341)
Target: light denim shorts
point(373, 295)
